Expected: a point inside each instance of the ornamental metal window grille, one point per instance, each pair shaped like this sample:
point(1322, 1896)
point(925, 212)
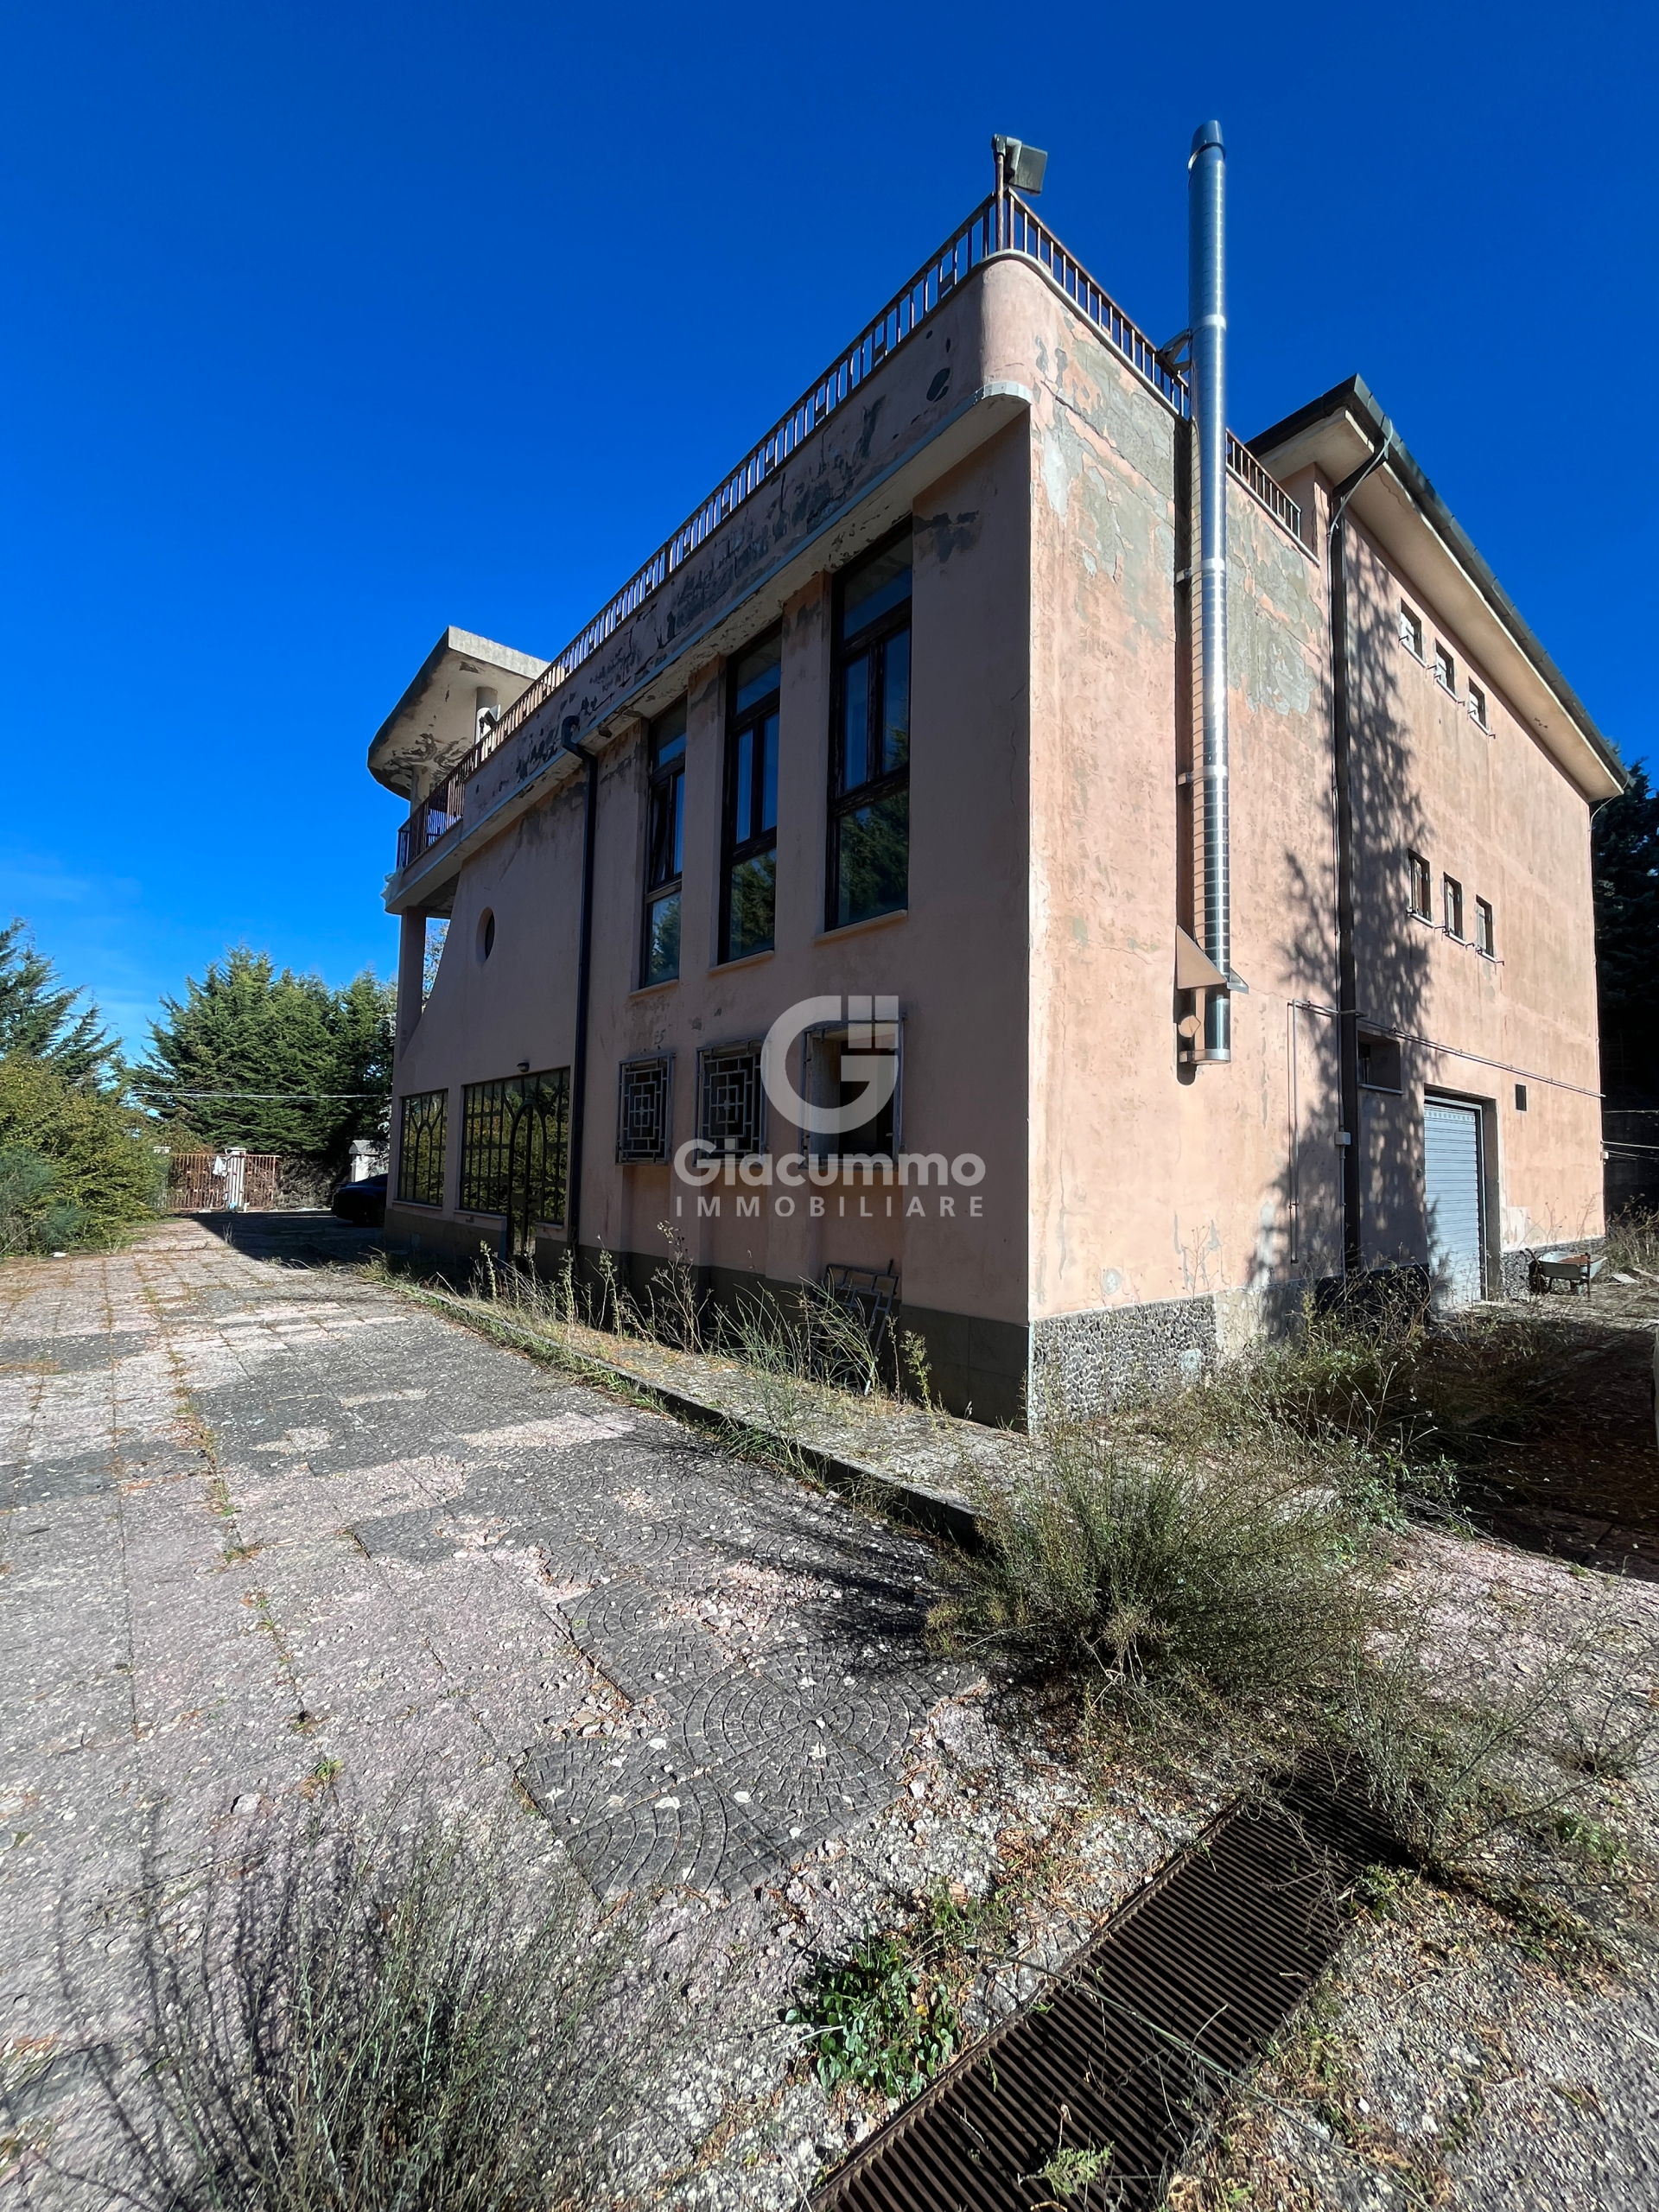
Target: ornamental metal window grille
point(515, 1144)
point(423, 1129)
point(731, 1105)
point(642, 1095)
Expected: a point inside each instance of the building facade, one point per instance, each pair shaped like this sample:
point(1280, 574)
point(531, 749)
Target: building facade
point(894, 754)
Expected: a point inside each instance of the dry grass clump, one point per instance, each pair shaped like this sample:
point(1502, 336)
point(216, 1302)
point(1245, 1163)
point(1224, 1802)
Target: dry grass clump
point(1633, 1241)
point(1171, 1584)
point(1384, 1400)
point(361, 2022)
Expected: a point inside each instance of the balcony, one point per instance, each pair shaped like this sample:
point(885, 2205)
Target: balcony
point(1001, 225)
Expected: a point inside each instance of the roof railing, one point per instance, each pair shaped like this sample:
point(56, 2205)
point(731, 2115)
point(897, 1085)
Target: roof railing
point(1005, 226)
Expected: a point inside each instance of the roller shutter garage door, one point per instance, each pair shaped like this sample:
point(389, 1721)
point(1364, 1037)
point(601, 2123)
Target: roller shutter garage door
point(1452, 1193)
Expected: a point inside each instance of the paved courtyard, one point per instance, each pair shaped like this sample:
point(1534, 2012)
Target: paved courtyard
point(269, 1530)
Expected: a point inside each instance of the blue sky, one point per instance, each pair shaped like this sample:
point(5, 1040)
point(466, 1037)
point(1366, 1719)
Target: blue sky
point(325, 326)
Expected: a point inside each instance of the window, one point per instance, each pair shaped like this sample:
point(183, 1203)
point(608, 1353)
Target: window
point(1411, 631)
point(1379, 1063)
point(869, 764)
point(731, 1105)
point(1452, 894)
point(515, 1138)
point(1445, 669)
point(1520, 1098)
point(664, 848)
point(750, 868)
point(1422, 886)
point(838, 1072)
point(1485, 935)
point(423, 1129)
point(1477, 706)
point(642, 1096)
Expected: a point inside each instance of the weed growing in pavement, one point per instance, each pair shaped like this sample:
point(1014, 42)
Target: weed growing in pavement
point(358, 2021)
point(877, 2020)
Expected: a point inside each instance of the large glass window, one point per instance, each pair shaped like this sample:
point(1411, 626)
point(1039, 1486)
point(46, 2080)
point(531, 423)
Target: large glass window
point(870, 766)
point(750, 866)
point(515, 1140)
point(664, 848)
point(423, 1125)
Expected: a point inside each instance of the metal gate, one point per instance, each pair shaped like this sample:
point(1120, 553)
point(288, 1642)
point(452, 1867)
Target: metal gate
point(233, 1181)
point(1451, 1199)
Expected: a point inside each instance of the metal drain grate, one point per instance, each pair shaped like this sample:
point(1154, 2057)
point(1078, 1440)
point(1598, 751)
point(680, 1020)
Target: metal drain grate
point(1180, 1990)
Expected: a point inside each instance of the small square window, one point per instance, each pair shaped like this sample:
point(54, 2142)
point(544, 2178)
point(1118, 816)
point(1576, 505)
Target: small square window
point(1485, 935)
point(1379, 1063)
point(1520, 1098)
point(1452, 892)
point(1445, 669)
point(1477, 707)
point(1411, 631)
point(1422, 886)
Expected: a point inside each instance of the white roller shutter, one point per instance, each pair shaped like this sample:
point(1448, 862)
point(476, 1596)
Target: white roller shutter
point(1451, 1192)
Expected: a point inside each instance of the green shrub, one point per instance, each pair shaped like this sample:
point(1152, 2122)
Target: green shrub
point(77, 1166)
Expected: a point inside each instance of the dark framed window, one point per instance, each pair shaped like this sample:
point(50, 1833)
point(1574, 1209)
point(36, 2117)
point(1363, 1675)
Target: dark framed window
point(1452, 890)
point(1485, 929)
point(1446, 667)
point(515, 1144)
point(643, 1090)
point(749, 842)
point(1421, 892)
point(1477, 706)
point(836, 1072)
point(659, 959)
point(869, 749)
point(423, 1131)
point(731, 1104)
point(1411, 631)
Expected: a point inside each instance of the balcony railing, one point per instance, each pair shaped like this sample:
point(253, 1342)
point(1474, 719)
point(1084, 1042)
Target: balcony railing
point(996, 225)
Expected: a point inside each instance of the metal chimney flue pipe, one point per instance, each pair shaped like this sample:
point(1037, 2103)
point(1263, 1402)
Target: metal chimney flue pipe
point(1206, 195)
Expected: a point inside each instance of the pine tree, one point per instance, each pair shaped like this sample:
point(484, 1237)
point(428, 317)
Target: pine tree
point(277, 1062)
point(38, 1018)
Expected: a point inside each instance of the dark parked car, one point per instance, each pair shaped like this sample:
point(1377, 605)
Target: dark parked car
point(364, 1205)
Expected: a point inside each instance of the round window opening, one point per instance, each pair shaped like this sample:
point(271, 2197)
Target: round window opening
point(486, 934)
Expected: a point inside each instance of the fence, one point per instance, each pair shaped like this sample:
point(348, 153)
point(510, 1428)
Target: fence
point(223, 1182)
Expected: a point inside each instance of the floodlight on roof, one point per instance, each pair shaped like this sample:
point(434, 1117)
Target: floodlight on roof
point(1023, 166)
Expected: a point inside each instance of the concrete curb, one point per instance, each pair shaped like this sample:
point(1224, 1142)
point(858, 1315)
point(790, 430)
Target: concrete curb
point(939, 1513)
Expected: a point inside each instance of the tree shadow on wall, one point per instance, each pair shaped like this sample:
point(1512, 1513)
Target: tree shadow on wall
point(1391, 955)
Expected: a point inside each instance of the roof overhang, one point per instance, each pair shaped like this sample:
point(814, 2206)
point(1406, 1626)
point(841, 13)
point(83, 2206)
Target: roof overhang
point(436, 721)
point(1402, 511)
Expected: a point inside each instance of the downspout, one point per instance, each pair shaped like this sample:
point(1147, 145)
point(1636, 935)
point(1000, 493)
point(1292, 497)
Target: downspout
point(1341, 751)
point(1206, 170)
point(584, 964)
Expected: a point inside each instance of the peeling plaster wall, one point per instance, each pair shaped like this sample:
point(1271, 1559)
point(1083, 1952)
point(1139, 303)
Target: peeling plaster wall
point(1150, 1184)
